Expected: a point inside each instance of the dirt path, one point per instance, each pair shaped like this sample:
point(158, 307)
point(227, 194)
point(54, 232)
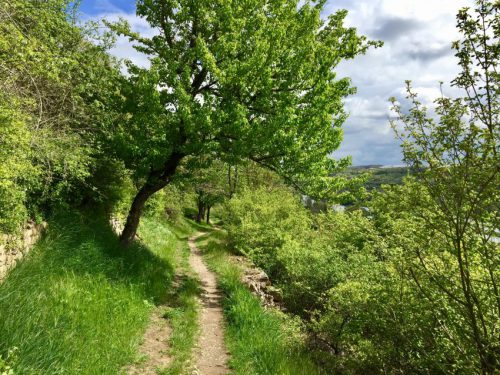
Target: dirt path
point(211, 355)
point(155, 346)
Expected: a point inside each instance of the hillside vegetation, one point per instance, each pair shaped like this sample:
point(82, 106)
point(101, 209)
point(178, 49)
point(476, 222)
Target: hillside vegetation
point(379, 175)
point(234, 122)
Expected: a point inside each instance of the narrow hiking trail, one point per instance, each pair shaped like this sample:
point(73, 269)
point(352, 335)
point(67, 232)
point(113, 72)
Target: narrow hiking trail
point(210, 356)
point(155, 347)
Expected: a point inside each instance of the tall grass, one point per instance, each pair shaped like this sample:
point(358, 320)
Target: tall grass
point(261, 342)
point(79, 303)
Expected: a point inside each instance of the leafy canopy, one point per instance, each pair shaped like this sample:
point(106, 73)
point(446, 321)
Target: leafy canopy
point(243, 80)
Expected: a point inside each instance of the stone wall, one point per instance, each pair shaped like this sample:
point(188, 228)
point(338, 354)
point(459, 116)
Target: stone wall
point(259, 283)
point(14, 248)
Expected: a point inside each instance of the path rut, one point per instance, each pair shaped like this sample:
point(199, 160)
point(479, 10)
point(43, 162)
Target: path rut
point(155, 346)
point(211, 355)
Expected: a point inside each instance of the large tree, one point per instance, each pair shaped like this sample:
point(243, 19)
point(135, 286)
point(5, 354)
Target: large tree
point(241, 79)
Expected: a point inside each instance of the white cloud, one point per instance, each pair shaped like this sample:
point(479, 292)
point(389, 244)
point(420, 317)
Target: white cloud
point(123, 48)
point(417, 36)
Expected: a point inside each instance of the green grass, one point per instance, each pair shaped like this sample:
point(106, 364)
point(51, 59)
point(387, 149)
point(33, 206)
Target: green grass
point(182, 315)
point(260, 341)
point(182, 312)
point(79, 303)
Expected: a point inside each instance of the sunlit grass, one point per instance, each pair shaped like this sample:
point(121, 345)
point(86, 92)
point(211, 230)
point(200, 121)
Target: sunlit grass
point(260, 341)
point(79, 303)
point(182, 314)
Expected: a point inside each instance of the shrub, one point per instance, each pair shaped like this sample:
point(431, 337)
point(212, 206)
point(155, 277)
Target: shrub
point(261, 221)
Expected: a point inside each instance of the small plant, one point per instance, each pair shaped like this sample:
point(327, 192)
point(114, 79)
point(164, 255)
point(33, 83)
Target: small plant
point(7, 364)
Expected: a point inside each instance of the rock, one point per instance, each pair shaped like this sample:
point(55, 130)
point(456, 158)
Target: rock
point(258, 282)
point(13, 249)
point(253, 286)
point(262, 277)
point(275, 293)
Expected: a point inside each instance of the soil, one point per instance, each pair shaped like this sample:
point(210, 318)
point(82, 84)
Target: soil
point(155, 346)
point(211, 355)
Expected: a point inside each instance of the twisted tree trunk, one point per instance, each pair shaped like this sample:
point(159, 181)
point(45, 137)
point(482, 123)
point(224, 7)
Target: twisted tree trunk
point(201, 212)
point(156, 181)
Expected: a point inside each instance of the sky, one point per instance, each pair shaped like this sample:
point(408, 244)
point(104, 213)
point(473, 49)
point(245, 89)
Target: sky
point(417, 37)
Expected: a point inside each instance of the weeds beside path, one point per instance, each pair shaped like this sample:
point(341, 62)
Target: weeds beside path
point(154, 350)
point(182, 313)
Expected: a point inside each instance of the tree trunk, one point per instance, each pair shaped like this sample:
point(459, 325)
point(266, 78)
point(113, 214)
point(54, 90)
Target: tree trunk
point(157, 180)
point(208, 214)
point(201, 212)
point(134, 215)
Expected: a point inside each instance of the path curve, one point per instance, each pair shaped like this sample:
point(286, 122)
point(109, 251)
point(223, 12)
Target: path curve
point(211, 355)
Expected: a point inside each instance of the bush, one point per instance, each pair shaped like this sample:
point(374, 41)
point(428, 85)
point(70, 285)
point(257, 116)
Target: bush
point(53, 85)
point(353, 291)
point(168, 202)
point(261, 221)
point(14, 166)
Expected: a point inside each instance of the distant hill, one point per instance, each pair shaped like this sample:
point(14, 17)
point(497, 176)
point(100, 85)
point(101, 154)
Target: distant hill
point(380, 175)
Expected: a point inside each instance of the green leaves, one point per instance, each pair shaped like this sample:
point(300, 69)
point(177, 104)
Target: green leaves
point(244, 81)
point(55, 84)
point(452, 208)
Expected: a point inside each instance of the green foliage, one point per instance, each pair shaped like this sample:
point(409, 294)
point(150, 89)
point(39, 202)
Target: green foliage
point(338, 250)
point(6, 365)
point(235, 82)
point(111, 187)
point(211, 186)
point(239, 103)
point(427, 272)
point(182, 313)
point(378, 175)
point(414, 287)
point(54, 82)
point(259, 222)
point(167, 203)
point(183, 319)
point(270, 89)
point(78, 304)
point(452, 211)
point(15, 166)
point(351, 278)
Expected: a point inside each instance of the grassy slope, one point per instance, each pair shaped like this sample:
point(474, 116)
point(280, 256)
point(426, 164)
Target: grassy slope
point(79, 304)
point(260, 341)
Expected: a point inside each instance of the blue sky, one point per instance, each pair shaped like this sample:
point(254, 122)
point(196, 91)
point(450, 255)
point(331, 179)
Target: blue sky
point(96, 7)
point(417, 36)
